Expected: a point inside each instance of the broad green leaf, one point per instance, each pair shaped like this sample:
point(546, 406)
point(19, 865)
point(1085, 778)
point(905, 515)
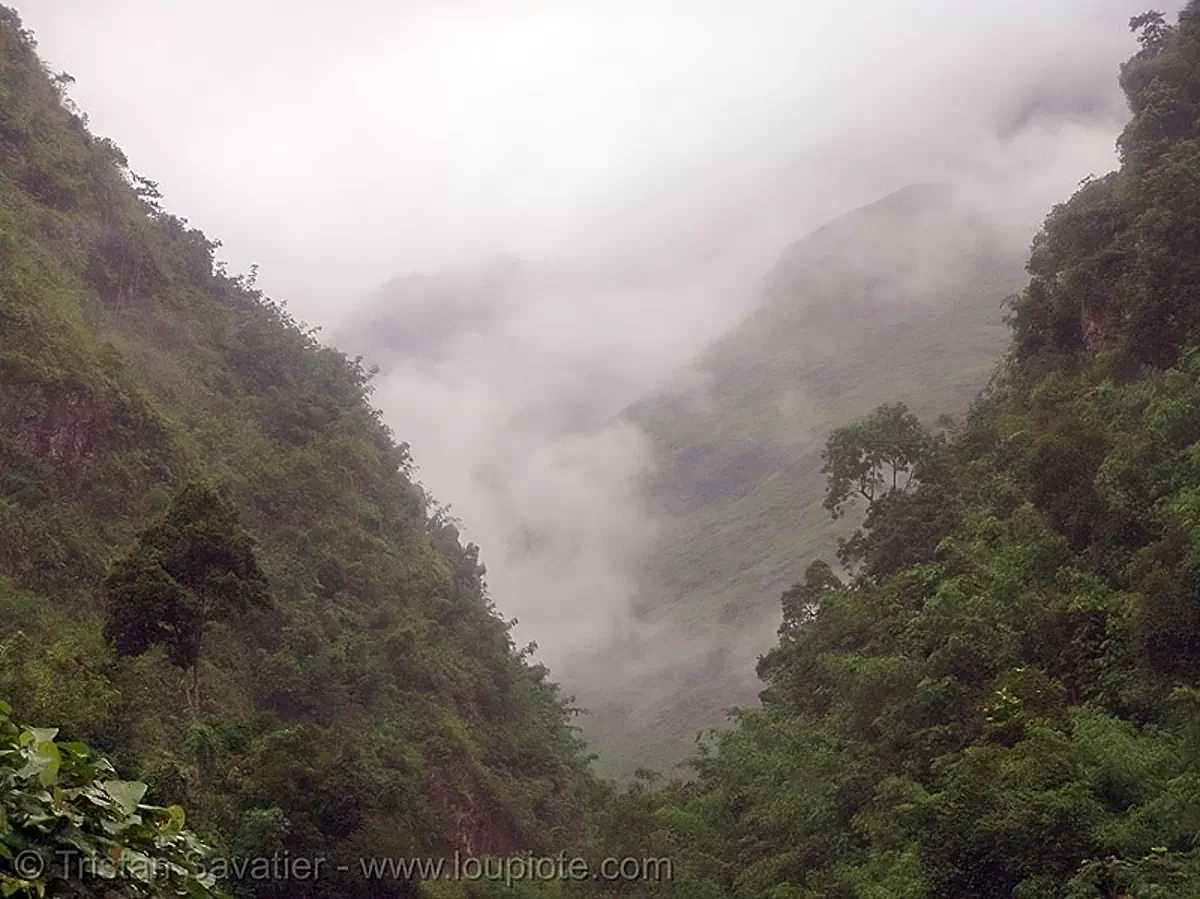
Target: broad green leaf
point(127, 793)
point(49, 773)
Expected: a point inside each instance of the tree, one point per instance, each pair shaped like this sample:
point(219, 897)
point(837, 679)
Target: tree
point(1153, 32)
point(874, 457)
point(194, 566)
point(801, 602)
point(147, 191)
point(901, 529)
point(893, 462)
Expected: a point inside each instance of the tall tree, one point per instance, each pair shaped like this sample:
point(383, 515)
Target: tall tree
point(897, 465)
point(194, 566)
point(1153, 32)
point(874, 457)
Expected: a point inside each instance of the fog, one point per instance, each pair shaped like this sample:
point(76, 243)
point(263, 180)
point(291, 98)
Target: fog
point(594, 192)
point(338, 145)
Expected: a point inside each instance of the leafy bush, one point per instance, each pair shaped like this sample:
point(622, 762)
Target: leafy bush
point(70, 827)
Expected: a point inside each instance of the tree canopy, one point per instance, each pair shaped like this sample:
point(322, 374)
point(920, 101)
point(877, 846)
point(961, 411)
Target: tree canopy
point(193, 567)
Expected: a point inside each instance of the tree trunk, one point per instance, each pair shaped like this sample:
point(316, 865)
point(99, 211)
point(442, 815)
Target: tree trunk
point(191, 690)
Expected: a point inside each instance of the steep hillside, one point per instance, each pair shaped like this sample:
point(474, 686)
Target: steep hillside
point(376, 702)
point(901, 301)
point(1003, 702)
point(1013, 710)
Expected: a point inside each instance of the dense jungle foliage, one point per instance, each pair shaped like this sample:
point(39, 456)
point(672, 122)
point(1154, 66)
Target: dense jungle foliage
point(330, 678)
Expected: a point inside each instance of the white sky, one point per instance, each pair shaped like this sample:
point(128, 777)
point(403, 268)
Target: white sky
point(340, 143)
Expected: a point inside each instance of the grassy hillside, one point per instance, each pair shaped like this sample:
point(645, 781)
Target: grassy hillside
point(899, 301)
point(378, 704)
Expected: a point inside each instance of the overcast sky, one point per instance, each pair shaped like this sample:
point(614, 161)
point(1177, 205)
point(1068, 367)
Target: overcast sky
point(659, 152)
point(337, 144)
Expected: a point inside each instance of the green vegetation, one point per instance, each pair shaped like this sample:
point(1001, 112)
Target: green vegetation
point(1014, 711)
point(894, 463)
point(902, 301)
point(69, 827)
point(360, 694)
point(998, 698)
point(194, 567)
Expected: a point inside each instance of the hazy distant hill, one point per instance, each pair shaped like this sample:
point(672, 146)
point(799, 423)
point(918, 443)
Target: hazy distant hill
point(899, 301)
point(418, 316)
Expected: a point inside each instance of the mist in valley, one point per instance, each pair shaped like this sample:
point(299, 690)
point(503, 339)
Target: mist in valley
point(533, 217)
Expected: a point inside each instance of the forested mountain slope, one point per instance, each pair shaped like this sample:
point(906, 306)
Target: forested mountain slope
point(361, 695)
point(1004, 701)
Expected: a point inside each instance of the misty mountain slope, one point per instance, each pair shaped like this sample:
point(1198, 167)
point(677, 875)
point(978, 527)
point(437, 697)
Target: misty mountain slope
point(1014, 714)
point(376, 703)
point(899, 301)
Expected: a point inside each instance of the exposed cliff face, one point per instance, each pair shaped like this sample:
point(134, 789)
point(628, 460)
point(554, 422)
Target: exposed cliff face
point(56, 426)
point(66, 424)
point(476, 823)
